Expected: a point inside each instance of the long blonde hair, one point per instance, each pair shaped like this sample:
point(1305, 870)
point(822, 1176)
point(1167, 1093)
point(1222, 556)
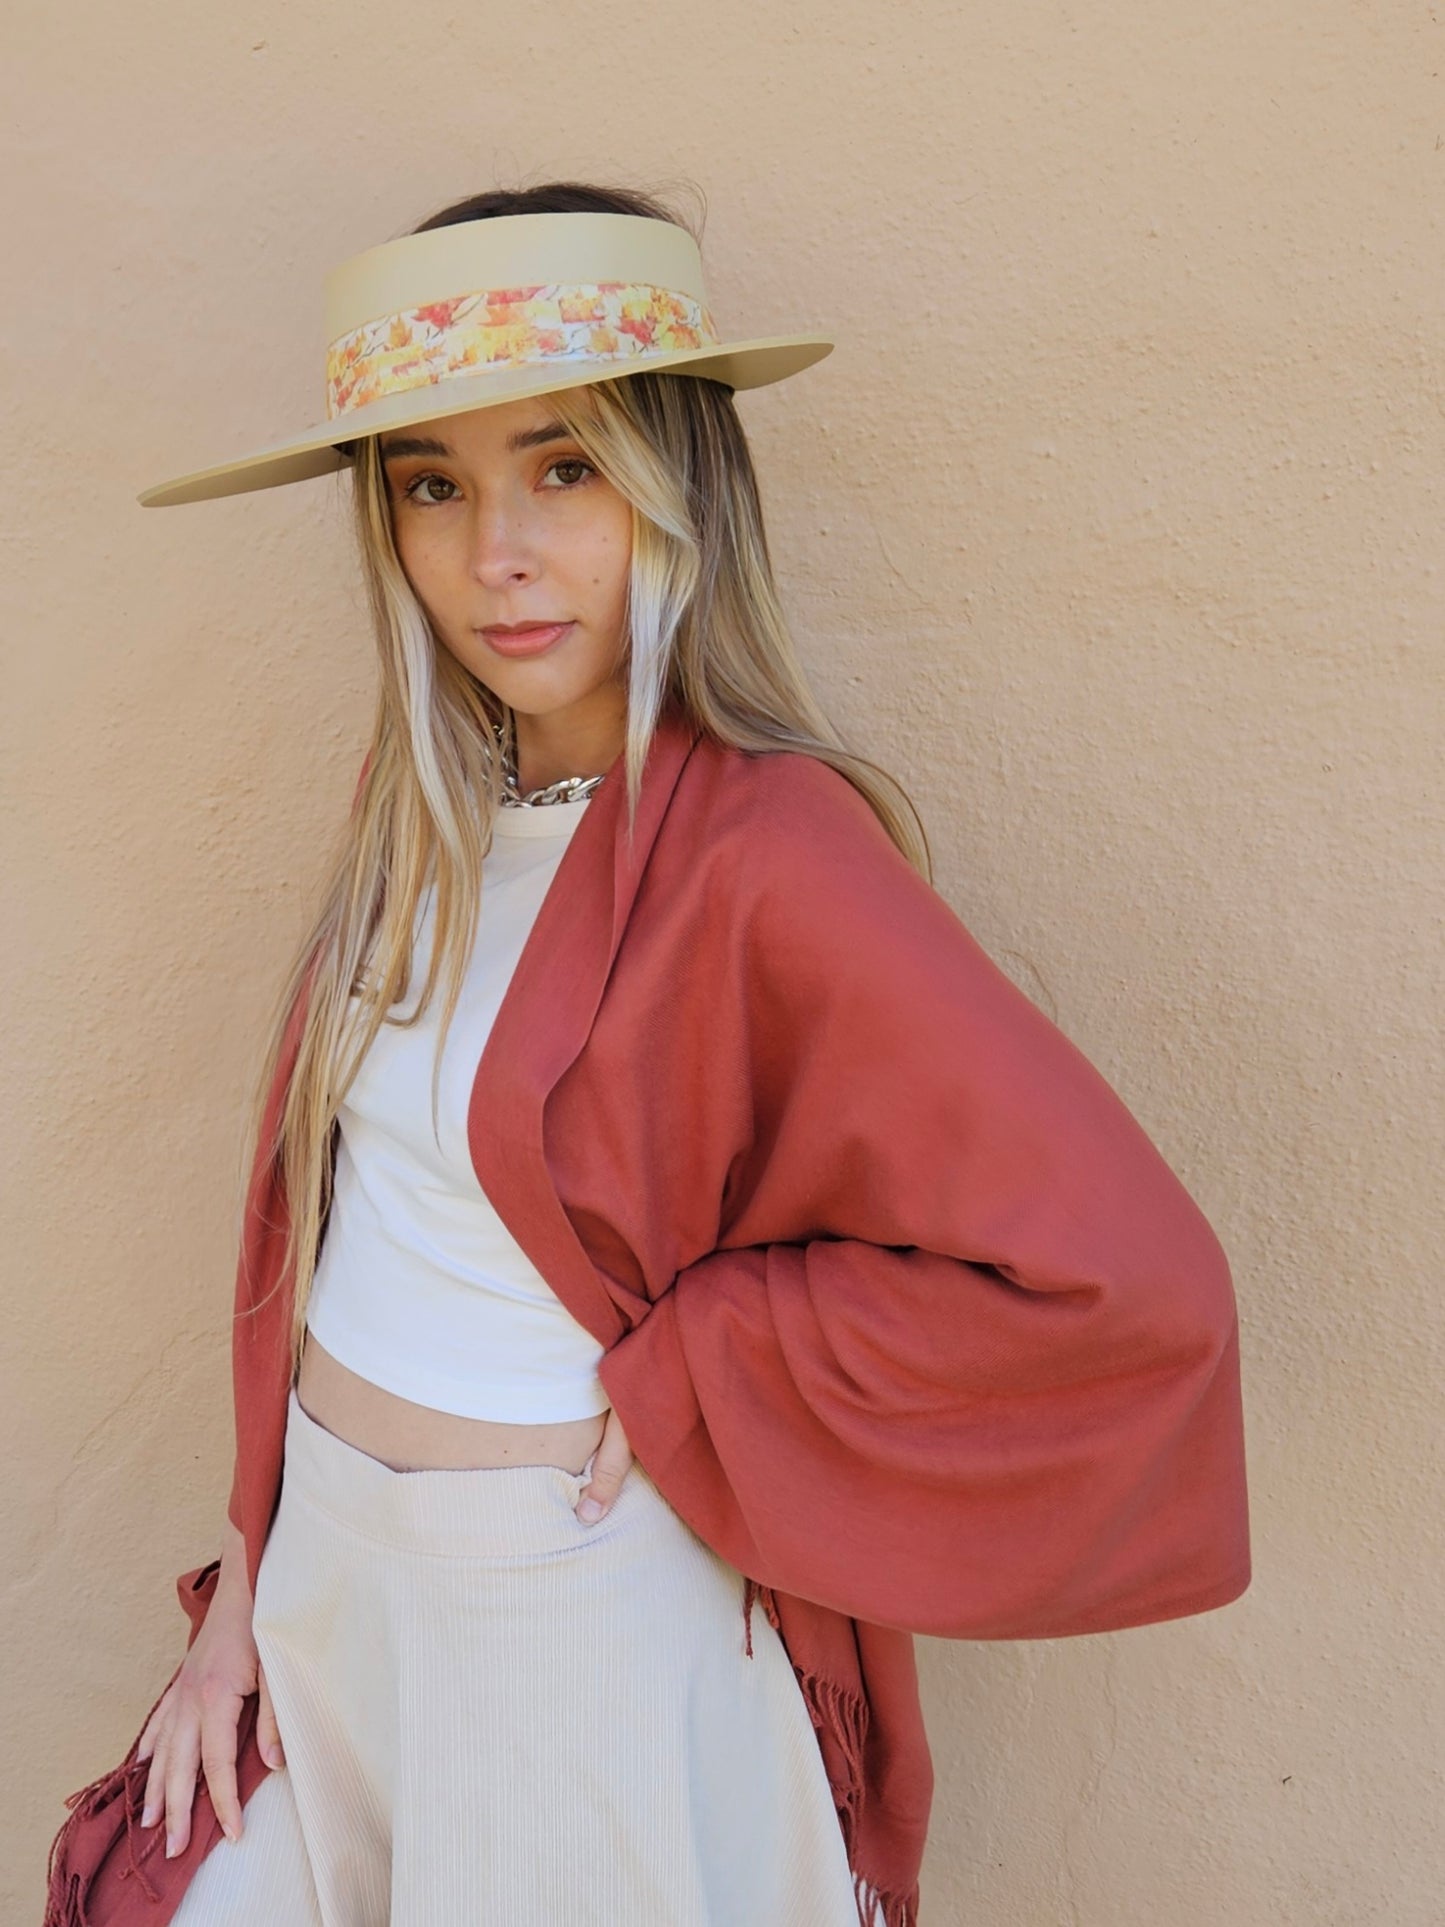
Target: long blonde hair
point(706, 633)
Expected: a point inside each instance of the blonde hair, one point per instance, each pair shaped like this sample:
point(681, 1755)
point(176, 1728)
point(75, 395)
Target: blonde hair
point(706, 634)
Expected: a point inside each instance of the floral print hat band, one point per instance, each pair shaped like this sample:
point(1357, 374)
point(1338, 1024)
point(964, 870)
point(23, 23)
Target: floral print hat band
point(496, 310)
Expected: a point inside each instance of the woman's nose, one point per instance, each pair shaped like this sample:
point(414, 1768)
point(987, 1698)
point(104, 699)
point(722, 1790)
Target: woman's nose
point(500, 545)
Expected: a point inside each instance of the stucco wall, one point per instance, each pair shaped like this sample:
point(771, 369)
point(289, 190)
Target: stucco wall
point(1113, 523)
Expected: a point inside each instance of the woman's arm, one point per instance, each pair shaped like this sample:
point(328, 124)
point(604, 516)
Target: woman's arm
point(966, 1359)
point(233, 1559)
point(912, 1440)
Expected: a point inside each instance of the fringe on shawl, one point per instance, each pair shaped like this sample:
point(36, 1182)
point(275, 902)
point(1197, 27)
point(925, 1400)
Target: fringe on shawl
point(65, 1895)
point(843, 1715)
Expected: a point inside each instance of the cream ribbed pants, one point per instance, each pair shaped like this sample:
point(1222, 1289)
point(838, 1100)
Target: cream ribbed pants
point(493, 1713)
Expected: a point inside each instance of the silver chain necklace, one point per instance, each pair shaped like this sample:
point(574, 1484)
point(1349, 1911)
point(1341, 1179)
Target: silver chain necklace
point(567, 789)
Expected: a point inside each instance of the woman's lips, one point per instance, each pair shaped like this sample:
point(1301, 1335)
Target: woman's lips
point(524, 642)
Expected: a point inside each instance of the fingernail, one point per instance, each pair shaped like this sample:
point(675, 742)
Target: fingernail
point(148, 1818)
point(589, 1512)
point(232, 1837)
point(273, 1756)
point(171, 1846)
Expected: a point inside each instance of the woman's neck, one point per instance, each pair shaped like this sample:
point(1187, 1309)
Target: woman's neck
point(570, 742)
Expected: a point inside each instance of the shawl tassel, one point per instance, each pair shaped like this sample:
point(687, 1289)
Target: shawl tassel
point(66, 1887)
point(842, 1716)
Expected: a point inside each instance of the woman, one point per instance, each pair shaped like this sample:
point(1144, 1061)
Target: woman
point(726, 1147)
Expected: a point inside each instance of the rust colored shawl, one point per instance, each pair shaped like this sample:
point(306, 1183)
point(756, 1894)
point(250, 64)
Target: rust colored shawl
point(905, 1315)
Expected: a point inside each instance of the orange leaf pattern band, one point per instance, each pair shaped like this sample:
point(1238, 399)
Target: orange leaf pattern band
point(594, 321)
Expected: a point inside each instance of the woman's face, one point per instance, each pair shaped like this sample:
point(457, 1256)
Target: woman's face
point(499, 519)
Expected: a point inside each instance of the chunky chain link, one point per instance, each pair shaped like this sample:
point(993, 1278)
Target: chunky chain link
point(567, 789)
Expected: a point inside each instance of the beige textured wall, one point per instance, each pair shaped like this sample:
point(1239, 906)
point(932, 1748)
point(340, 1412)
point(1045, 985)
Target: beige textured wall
point(1114, 523)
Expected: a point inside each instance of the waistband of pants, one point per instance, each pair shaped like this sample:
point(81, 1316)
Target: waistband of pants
point(465, 1512)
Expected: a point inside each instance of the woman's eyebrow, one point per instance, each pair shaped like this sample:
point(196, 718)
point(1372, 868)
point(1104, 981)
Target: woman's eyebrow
point(401, 445)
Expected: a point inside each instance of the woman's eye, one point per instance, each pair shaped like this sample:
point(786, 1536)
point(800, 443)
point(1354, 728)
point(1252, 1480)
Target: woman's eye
point(425, 481)
point(572, 461)
point(566, 462)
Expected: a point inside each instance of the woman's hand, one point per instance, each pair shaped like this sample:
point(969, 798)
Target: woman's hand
point(194, 1725)
point(610, 1466)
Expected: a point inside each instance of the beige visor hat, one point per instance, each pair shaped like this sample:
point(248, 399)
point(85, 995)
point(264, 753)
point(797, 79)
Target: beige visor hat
point(496, 310)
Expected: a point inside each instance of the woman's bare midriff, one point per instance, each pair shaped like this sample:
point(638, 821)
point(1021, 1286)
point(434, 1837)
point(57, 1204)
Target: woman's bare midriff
point(417, 1438)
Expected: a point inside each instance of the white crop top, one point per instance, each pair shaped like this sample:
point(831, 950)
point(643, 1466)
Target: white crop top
point(419, 1286)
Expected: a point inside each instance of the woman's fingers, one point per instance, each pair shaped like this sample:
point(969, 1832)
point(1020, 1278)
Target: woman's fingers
point(268, 1734)
point(183, 1759)
point(155, 1725)
point(153, 1731)
point(221, 1711)
point(155, 1746)
point(193, 1727)
point(610, 1467)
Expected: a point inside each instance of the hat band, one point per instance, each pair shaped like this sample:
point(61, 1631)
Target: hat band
point(582, 321)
